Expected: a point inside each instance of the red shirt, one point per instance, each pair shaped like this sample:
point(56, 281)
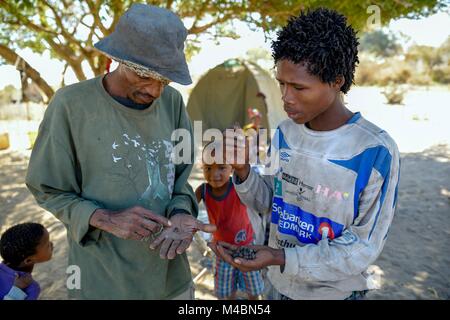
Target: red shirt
point(229, 215)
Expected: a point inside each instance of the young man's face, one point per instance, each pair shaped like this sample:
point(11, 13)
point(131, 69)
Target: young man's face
point(142, 90)
point(217, 175)
point(304, 96)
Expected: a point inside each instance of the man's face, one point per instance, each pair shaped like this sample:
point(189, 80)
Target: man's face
point(304, 96)
point(142, 90)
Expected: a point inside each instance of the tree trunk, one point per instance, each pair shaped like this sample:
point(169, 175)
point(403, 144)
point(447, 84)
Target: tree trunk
point(11, 57)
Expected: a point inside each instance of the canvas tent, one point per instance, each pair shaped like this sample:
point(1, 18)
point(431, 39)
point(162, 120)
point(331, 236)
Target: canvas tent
point(223, 95)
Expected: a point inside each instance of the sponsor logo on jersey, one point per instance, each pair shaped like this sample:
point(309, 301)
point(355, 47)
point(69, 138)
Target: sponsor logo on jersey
point(331, 194)
point(346, 238)
point(305, 226)
point(284, 156)
point(285, 243)
point(278, 187)
point(325, 228)
point(304, 192)
point(290, 179)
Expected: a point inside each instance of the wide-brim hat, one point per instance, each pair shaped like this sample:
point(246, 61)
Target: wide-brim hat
point(149, 39)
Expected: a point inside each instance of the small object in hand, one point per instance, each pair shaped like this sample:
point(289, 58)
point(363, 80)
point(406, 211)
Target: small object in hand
point(244, 252)
point(153, 236)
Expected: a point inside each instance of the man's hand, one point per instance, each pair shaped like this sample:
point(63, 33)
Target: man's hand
point(265, 256)
point(177, 238)
point(22, 282)
point(136, 223)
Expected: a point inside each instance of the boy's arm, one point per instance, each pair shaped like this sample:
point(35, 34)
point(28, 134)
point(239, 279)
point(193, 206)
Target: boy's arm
point(255, 191)
point(361, 243)
point(15, 293)
point(20, 282)
point(198, 193)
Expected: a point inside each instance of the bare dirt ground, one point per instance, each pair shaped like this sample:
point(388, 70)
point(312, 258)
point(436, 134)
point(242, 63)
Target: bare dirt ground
point(414, 263)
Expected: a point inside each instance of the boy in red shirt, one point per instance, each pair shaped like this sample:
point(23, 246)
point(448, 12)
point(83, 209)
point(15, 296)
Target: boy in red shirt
point(229, 214)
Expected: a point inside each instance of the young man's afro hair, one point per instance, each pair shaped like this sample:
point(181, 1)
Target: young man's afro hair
point(322, 40)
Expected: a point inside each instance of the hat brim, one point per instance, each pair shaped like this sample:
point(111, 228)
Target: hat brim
point(179, 75)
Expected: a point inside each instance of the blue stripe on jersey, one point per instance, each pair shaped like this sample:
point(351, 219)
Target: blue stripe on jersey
point(354, 118)
point(282, 141)
point(378, 158)
point(398, 182)
point(305, 226)
point(278, 142)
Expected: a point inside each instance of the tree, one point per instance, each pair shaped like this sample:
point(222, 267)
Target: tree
point(25, 69)
point(69, 28)
point(8, 94)
point(380, 43)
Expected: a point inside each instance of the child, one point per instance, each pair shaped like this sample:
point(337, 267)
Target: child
point(333, 188)
point(226, 211)
point(21, 247)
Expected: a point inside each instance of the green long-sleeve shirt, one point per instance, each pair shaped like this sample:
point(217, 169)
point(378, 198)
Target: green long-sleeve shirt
point(92, 152)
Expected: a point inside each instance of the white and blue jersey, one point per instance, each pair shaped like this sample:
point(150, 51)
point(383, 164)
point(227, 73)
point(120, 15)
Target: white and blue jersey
point(331, 198)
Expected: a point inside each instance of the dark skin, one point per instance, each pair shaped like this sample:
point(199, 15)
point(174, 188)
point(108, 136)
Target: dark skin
point(44, 251)
point(307, 100)
point(137, 223)
point(126, 83)
point(218, 177)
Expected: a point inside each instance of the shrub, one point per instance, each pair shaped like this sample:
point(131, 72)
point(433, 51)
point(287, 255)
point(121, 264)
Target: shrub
point(394, 94)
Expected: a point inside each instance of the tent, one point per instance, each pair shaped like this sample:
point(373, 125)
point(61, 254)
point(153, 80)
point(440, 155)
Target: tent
point(223, 95)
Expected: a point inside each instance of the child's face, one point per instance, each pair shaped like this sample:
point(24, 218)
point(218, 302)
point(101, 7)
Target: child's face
point(304, 96)
point(217, 175)
point(44, 250)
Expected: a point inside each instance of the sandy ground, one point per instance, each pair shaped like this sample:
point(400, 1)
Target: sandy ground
point(416, 259)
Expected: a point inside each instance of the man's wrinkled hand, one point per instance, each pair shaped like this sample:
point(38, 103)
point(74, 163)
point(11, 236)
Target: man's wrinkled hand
point(177, 238)
point(136, 223)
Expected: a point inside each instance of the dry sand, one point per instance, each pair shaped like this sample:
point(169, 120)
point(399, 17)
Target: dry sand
point(415, 263)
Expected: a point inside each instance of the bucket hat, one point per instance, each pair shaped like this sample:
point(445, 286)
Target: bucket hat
point(149, 40)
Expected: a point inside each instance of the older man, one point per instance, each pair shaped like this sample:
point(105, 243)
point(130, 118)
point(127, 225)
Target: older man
point(102, 165)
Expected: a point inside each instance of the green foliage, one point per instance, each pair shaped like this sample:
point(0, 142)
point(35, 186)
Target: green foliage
point(421, 65)
point(380, 43)
point(69, 28)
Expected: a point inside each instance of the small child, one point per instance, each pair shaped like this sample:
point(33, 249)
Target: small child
point(229, 214)
point(21, 247)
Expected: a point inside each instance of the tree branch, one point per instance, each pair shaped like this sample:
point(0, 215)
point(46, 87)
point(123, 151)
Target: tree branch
point(95, 8)
point(11, 57)
point(118, 6)
point(196, 30)
point(169, 4)
point(63, 30)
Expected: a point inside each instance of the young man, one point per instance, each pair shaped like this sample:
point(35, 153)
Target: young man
point(333, 195)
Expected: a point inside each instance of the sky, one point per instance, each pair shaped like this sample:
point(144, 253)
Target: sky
point(432, 31)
